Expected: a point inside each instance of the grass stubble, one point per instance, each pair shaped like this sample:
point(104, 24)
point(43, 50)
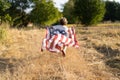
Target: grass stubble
point(97, 59)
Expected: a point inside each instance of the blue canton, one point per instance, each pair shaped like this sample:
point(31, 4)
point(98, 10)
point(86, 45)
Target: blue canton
point(57, 31)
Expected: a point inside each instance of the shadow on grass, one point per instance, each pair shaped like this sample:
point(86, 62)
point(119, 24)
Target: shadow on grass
point(7, 64)
point(107, 51)
point(114, 63)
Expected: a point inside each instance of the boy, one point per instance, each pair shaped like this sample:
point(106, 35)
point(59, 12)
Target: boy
point(61, 29)
point(55, 42)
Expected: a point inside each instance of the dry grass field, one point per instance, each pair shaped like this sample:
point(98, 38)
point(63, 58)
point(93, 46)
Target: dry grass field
point(97, 59)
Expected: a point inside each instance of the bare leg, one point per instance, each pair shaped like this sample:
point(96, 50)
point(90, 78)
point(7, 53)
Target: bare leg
point(64, 48)
point(64, 51)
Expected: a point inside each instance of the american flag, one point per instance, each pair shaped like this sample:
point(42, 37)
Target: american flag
point(55, 43)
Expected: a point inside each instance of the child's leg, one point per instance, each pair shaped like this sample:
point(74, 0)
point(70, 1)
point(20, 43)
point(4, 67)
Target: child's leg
point(64, 48)
point(64, 51)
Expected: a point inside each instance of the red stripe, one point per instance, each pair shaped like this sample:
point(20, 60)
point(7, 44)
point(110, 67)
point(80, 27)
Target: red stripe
point(76, 42)
point(73, 30)
point(58, 47)
point(69, 33)
point(53, 42)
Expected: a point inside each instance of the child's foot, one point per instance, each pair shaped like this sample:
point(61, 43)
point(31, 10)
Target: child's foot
point(63, 53)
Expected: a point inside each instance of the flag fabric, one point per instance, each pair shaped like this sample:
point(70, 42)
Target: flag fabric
point(56, 42)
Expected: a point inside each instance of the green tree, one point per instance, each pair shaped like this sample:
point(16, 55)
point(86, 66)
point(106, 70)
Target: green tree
point(112, 11)
point(17, 12)
point(68, 11)
point(89, 11)
point(118, 12)
point(4, 5)
point(44, 13)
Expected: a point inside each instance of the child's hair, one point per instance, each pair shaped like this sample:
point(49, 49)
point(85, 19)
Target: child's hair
point(63, 21)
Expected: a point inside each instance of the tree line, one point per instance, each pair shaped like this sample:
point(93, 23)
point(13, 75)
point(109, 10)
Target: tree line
point(90, 12)
point(43, 12)
point(15, 12)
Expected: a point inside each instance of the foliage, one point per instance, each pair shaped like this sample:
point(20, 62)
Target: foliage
point(17, 12)
point(112, 11)
point(89, 11)
point(14, 11)
point(68, 11)
point(3, 34)
point(44, 13)
point(4, 4)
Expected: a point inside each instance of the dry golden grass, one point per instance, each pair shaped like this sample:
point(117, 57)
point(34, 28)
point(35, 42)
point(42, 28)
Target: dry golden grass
point(102, 50)
point(21, 59)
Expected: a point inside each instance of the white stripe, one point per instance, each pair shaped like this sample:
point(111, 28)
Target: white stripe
point(71, 44)
point(60, 44)
point(48, 34)
point(50, 41)
point(72, 37)
point(66, 43)
point(64, 39)
point(55, 50)
point(44, 44)
point(70, 31)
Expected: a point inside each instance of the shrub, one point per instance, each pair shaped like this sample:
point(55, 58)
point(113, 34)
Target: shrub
point(3, 34)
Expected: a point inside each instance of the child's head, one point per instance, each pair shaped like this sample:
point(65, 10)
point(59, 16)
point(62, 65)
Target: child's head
point(63, 21)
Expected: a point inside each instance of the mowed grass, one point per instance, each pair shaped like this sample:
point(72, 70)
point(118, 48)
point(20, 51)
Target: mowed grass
point(97, 59)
